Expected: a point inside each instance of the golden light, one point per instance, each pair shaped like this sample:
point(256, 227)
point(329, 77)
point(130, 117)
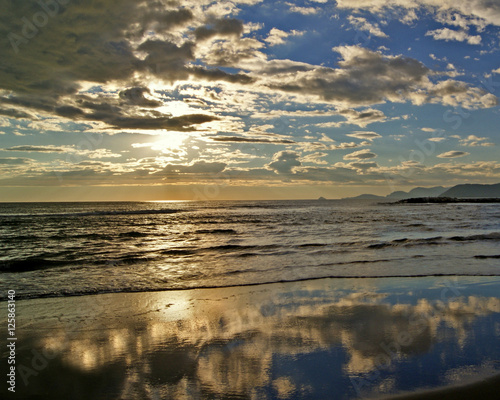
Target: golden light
point(171, 142)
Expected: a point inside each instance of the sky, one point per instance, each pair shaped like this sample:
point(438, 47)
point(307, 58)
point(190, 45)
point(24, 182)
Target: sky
point(246, 99)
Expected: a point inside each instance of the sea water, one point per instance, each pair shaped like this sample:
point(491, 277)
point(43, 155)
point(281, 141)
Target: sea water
point(63, 249)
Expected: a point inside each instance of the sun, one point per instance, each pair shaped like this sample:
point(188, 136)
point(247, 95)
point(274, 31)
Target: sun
point(171, 142)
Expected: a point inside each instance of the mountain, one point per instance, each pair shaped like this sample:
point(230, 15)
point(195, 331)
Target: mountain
point(458, 191)
point(417, 192)
point(473, 190)
point(427, 192)
point(397, 195)
point(368, 197)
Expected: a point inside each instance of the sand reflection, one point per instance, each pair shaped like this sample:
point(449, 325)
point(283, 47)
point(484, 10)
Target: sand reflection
point(275, 341)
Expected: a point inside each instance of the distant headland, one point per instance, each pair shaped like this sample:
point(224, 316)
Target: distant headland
point(476, 193)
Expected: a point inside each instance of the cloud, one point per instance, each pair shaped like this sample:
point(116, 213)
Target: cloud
point(315, 158)
point(365, 77)
point(41, 149)
point(199, 167)
point(364, 166)
point(277, 36)
point(449, 34)
point(477, 13)
point(236, 139)
point(284, 162)
point(165, 44)
point(15, 113)
point(368, 135)
point(136, 96)
point(363, 25)
point(302, 10)
point(350, 145)
point(104, 51)
point(15, 161)
point(453, 154)
point(172, 19)
point(364, 117)
point(474, 141)
point(91, 153)
point(360, 155)
point(220, 28)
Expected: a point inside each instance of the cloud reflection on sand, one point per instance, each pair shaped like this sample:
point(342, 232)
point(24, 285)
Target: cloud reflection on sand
point(255, 342)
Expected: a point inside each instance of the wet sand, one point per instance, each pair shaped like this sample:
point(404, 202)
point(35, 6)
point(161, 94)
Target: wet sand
point(482, 389)
point(330, 338)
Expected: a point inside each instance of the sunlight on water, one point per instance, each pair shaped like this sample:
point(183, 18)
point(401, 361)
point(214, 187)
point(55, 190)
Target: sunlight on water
point(77, 248)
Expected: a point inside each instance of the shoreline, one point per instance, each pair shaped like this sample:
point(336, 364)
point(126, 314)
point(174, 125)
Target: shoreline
point(243, 285)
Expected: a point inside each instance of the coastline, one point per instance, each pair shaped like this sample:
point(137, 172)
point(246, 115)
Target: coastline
point(280, 340)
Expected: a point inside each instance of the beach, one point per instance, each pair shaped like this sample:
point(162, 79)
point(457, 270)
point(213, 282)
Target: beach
point(315, 339)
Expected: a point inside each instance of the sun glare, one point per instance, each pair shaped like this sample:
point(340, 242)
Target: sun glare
point(171, 142)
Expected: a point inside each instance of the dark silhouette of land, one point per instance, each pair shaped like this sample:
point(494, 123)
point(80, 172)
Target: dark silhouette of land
point(446, 200)
point(440, 194)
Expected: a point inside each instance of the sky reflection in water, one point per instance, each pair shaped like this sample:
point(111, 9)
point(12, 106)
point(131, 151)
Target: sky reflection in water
point(312, 339)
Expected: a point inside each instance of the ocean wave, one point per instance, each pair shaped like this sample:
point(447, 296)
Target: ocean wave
point(90, 213)
point(236, 247)
point(30, 264)
point(485, 236)
point(133, 234)
point(436, 240)
point(489, 256)
point(216, 231)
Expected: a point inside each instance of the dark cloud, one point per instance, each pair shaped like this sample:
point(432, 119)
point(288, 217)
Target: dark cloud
point(284, 161)
point(68, 111)
point(364, 165)
point(219, 75)
point(15, 161)
point(453, 154)
point(167, 60)
point(135, 96)
point(364, 77)
point(172, 19)
point(12, 112)
point(250, 140)
point(100, 42)
point(182, 123)
point(364, 117)
point(360, 155)
point(42, 103)
point(220, 27)
point(41, 149)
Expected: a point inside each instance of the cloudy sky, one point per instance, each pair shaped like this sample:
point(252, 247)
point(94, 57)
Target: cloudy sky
point(246, 99)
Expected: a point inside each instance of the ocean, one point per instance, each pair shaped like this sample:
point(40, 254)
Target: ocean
point(68, 249)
